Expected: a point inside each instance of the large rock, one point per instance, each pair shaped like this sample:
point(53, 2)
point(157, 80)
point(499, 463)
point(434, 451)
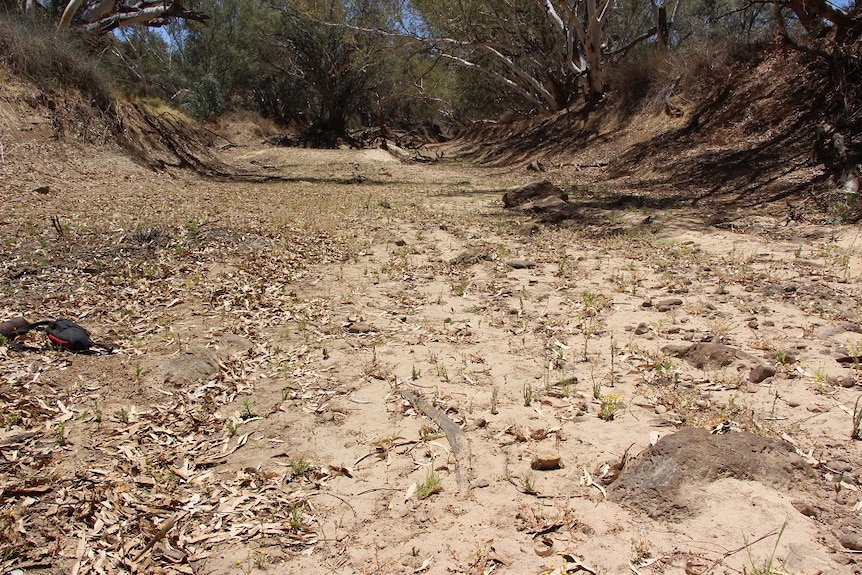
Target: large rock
point(194, 365)
point(532, 193)
point(655, 483)
point(709, 355)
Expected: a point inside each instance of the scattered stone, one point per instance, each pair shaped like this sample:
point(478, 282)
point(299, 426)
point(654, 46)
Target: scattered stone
point(847, 382)
point(230, 344)
point(792, 402)
point(760, 372)
point(521, 264)
point(707, 355)
point(647, 303)
point(660, 409)
point(753, 324)
point(533, 192)
point(641, 329)
point(469, 257)
point(805, 508)
point(839, 466)
point(360, 327)
point(537, 166)
point(668, 304)
point(194, 365)
point(546, 461)
point(851, 541)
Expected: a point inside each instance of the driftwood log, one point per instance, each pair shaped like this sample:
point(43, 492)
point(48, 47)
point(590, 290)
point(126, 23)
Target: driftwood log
point(457, 439)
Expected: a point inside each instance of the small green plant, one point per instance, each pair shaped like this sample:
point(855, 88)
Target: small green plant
point(460, 289)
point(820, 378)
point(442, 372)
point(857, 420)
point(247, 411)
point(299, 466)
point(252, 561)
point(528, 394)
point(231, 427)
point(60, 434)
point(770, 566)
point(609, 405)
point(285, 393)
point(798, 252)
point(123, 415)
point(431, 485)
point(297, 516)
point(415, 373)
point(528, 483)
point(495, 399)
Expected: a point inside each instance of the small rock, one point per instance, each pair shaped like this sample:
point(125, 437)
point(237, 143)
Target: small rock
point(805, 508)
point(673, 329)
point(851, 541)
point(400, 242)
point(360, 327)
point(839, 466)
point(196, 364)
point(647, 303)
point(769, 323)
point(847, 382)
point(753, 324)
point(521, 264)
point(816, 408)
point(641, 329)
point(546, 461)
point(482, 483)
point(660, 409)
point(792, 402)
point(668, 304)
point(760, 372)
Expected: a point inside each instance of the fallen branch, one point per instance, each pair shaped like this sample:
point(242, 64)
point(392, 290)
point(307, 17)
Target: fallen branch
point(160, 534)
point(456, 437)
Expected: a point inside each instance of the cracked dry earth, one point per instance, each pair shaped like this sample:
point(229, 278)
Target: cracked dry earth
point(637, 393)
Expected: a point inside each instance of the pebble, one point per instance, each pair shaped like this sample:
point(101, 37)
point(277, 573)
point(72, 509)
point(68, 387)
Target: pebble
point(668, 304)
point(660, 409)
point(641, 329)
point(847, 382)
point(851, 541)
point(546, 461)
point(804, 508)
point(360, 327)
point(839, 466)
point(521, 264)
point(760, 372)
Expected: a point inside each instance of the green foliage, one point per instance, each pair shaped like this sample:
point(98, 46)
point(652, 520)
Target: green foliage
point(34, 50)
point(206, 100)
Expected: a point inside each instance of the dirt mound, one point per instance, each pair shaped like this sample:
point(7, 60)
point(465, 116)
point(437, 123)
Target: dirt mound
point(659, 483)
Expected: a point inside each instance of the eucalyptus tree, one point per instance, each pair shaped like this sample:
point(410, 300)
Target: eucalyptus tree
point(341, 71)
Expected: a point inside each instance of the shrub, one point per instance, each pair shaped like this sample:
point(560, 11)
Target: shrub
point(34, 51)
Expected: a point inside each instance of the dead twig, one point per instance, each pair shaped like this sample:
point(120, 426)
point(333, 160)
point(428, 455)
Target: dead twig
point(160, 534)
point(456, 437)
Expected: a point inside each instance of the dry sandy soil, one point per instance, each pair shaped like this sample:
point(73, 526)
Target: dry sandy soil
point(289, 356)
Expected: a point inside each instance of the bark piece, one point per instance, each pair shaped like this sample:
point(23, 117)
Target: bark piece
point(456, 437)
